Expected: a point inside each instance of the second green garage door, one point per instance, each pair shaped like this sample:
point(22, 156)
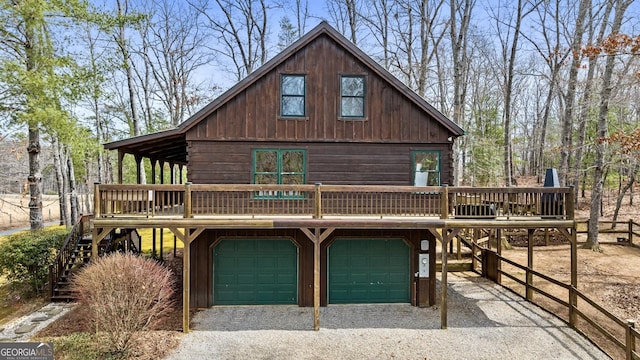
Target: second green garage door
point(368, 271)
point(255, 271)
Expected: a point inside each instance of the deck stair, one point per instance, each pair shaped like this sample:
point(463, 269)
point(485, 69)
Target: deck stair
point(76, 252)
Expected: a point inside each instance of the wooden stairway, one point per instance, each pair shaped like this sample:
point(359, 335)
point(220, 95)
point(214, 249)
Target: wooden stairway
point(81, 254)
point(76, 252)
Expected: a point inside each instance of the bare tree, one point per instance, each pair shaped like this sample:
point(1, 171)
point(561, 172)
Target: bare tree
point(567, 121)
point(377, 18)
point(241, 30)
point(587, 94)
point(509, 40)
point(344, 15)
point(173, 45)
point(460, 12)
point(554, 54)
point(620, 7)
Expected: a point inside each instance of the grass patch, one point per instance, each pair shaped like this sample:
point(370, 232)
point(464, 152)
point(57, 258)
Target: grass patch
point(147, 240)
point(13, 305)
point(5, 237)
point(77, 346)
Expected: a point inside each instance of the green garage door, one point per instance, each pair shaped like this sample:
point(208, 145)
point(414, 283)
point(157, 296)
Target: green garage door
point(254, 271)
point(369, 271)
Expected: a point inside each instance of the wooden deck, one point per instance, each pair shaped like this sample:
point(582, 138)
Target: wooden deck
point(318, 210)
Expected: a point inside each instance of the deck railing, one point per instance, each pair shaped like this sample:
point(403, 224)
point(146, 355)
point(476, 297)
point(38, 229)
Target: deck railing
point(201, 200)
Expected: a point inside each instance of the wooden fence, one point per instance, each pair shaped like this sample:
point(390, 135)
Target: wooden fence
point(629, 228)
point(623, 334)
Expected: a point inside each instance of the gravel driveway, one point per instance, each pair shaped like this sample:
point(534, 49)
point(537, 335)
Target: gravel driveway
point(485, 322)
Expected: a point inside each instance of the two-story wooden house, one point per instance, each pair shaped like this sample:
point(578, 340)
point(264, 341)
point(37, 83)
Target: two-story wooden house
point(315, 180)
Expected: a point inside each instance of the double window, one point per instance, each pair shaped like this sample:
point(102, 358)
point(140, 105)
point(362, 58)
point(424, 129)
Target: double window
point(352, 96)
point(426, 168)
point(279, 166)
point(292, 90)
point(293, 96)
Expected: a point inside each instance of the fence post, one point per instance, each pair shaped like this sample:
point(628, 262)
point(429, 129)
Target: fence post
point(569, 204)
point(630, 232)
point(187, 200)
point(317, 210)
point(444, 212)
point(631, 339)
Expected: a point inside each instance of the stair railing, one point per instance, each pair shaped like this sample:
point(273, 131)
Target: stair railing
point(67, 250)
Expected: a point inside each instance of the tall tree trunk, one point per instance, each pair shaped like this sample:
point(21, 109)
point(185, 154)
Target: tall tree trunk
point(121, 40)
point(459, 53)
point(508, 151)
point(68, 222)
point(601, 132)
point(35, 179)
point(632, 179)
point(73, 194)
point(567, 120)
point(57, 165)
point(585, 103)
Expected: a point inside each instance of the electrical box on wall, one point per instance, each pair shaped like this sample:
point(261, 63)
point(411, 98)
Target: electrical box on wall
point(423, 266)
point(424, 245)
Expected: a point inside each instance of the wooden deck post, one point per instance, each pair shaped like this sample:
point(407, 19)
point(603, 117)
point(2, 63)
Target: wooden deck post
point(443, 282)
point(120, 158)
point(317, 211)
point(316, 280)
point(96, 215)
point(444, 211)
point(186, 269)
point(187, 200)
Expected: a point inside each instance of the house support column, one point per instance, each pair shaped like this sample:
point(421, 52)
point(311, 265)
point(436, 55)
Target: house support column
point(186, 282)
point(317, 237)
point(186, 237)
point(120, 158)
point(445, 237)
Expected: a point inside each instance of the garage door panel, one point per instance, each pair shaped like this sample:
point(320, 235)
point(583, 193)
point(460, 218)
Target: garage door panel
point(255, 271)
point(377, 271)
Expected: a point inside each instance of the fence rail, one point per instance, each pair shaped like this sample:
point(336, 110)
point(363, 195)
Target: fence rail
point(627, 344)
point(318, 201)
point(631, 228)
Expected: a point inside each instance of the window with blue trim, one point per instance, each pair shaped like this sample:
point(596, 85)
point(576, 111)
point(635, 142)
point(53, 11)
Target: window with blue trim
point(279, 166)
point(292, 90)
point(426, 168)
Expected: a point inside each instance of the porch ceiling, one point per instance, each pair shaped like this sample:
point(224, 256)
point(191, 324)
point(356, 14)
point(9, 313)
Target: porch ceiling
point(169, 146)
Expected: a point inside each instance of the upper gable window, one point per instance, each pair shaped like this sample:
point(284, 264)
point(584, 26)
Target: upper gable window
point(292, 90)
point(352, 92)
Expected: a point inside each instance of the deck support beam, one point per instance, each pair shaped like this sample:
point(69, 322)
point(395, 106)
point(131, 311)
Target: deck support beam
point(97, 237)
point(186, 237)
point(317, 237)
point(445, 237)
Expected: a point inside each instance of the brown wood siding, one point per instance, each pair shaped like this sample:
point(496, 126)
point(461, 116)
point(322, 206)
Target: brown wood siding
point(254, 113)
point(225, 162)
point(202, 259)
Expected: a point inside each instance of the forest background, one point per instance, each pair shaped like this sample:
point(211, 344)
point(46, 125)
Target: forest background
point(535, 83)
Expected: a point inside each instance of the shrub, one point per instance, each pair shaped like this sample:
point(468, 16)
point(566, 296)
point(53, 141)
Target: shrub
point(124, 294)
point(25, 257)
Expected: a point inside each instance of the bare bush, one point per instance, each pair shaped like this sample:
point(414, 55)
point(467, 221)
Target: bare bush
point(124, 294)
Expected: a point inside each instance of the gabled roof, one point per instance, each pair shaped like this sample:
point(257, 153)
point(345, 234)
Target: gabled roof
point(158, 146)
